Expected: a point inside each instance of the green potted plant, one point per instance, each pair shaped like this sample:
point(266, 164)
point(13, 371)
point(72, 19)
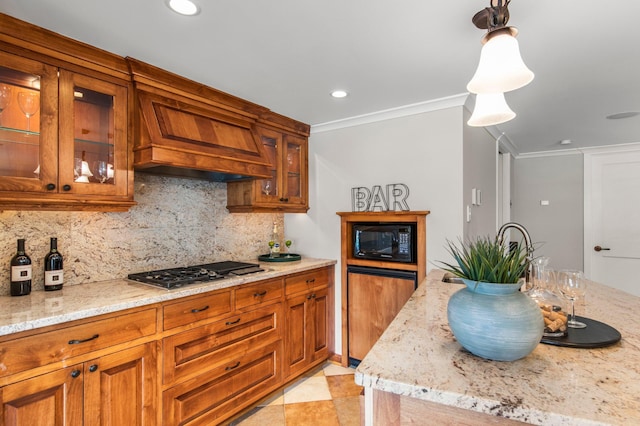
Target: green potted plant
point(490, 317)
point(486, 260)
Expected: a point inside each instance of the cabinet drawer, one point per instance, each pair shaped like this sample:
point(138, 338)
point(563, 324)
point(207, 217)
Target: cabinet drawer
point(196, 309)
point(57, 345)
point(259, 293)
point(220, 393)
point(193, 352)
point(307, 281)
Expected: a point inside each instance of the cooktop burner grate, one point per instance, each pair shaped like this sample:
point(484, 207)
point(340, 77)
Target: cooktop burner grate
point(178, 277)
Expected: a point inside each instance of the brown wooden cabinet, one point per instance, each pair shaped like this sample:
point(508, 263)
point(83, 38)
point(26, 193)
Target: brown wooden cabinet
point(116, 389)
point(370, 302)
point(200, 359)
point(54, 399)
point(92, 372)
point(64, 123)
point(309, 320)
point(287, 188)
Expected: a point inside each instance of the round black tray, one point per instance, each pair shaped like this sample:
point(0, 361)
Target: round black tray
point(595, 335)
point(289, 257)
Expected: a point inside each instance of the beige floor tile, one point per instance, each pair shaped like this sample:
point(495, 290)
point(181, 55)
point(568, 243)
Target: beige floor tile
point(262, 416)
point(343, 386)
point(348, 410)
point(317, 413)
point(331, 369)
point(307, 389)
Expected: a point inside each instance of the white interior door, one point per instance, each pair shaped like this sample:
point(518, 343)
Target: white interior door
point(612, 225)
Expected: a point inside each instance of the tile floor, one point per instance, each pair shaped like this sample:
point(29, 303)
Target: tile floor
point(326, 396)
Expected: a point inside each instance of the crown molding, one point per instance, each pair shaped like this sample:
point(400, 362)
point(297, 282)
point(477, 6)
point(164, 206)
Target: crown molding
point(388, 114)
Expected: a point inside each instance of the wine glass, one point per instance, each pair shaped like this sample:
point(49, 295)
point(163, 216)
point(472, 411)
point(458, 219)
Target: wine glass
point(572, 286)
point(5, 96)
point(29, 104)
point(101, 170)
point(266, 186)
point(288, 244)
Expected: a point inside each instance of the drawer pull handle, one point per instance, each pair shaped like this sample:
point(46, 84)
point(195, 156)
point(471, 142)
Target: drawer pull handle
point(195, 311)
point(237, 364)
point(75, 373)
point(233, 322)
point(260, 294)
point(93, 368)
point(75, 341)
point(313, 280)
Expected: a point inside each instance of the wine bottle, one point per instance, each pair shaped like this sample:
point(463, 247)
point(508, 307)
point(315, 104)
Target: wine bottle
point(53, 272)
point(21, 272)
point(275, 237)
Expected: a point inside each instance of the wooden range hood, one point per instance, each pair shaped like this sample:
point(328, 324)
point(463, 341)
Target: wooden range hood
point(183, 128)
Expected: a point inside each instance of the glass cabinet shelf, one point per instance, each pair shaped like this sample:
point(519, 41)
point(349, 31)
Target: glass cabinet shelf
point(18, 136)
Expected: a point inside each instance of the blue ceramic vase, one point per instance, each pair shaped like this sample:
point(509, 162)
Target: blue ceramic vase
point(495, 321)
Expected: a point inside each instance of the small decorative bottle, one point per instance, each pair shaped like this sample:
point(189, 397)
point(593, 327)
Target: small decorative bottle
point(21, 272)
point(274, 244)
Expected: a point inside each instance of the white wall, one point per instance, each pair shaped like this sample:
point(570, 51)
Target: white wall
point(480, 171)
point(423, 151)
point(557, 229)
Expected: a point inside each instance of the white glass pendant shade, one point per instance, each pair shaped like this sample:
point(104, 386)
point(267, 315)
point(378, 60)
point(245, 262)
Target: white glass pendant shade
point(501, 69)
point(490, 109)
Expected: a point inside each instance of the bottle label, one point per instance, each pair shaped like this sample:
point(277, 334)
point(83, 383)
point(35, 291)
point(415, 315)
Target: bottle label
point(21, 273)
point(53, 277)
point(276, 248)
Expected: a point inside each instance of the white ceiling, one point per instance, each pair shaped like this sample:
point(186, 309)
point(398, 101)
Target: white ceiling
point(289, 54)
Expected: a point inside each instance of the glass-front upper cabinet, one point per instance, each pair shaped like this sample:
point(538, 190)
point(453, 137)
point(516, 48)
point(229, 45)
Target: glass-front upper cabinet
point(62, 134)
point(93, 125)
point(294, 170)
point(270, 189)
point(28, 124)
point(288, 183)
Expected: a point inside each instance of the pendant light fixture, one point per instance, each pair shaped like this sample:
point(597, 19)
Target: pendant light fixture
point(501, 68)
point(490, 109)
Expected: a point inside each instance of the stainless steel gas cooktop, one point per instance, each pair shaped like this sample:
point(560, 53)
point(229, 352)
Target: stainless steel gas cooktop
point(178, 277)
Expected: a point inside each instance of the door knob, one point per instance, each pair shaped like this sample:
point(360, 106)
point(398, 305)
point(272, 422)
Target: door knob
point(598, 248)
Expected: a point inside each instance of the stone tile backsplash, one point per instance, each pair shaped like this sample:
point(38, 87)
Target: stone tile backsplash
point(177, 222)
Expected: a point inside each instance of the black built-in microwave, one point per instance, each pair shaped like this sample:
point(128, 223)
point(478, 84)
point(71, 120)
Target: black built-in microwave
point(394, 242)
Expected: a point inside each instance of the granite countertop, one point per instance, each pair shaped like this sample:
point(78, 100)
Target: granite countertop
point(418, 356)
point(43, 308)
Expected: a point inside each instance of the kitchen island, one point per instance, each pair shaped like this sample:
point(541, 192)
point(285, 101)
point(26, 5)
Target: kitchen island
point(417, 372)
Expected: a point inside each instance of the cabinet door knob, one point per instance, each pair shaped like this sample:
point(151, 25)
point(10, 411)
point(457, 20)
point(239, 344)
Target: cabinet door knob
point(93, 368)
point(66, 187)
point(51, 186)
point(598, 248)
point(75, 373)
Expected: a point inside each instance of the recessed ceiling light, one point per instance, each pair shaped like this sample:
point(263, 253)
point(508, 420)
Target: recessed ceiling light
point(339, 94)
point(565, 142)
point(622, 115)
point(183, 7)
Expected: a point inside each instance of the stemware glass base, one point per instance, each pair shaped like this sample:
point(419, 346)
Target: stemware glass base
point(572, 323)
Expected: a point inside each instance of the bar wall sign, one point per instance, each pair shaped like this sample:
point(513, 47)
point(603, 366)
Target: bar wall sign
point(393, 197)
